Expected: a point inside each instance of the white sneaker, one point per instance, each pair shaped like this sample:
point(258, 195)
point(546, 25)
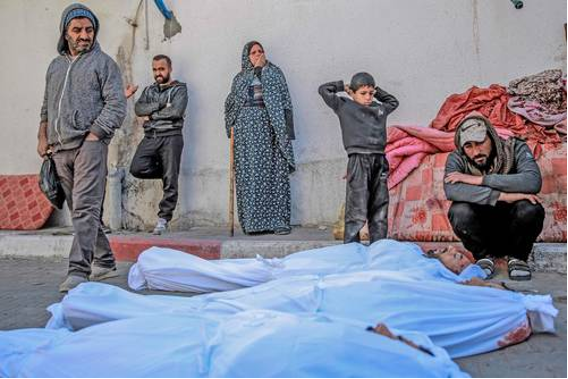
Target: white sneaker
point(161, 227)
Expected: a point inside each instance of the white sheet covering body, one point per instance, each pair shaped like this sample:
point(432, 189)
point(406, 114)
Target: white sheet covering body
point(248, 344)
point(171, 270)
point(464, 320)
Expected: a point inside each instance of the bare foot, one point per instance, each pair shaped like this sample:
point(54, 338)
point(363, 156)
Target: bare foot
point(481, 283)
point(383, 330)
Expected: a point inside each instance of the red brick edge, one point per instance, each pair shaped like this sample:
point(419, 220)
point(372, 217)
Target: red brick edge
point(127, 248)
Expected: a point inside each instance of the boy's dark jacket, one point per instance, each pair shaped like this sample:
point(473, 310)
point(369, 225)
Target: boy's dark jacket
point(363, 127)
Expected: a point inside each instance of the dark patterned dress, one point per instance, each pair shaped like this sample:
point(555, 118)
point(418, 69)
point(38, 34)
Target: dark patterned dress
point(263, 150)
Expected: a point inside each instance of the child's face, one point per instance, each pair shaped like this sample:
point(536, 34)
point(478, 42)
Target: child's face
point(363, 95)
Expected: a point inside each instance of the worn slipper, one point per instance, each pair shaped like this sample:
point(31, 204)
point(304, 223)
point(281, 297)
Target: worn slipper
point(518, 270)
point(488, 266)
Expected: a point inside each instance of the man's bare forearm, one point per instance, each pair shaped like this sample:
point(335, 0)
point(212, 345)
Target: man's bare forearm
point(42, 131)
point(42, 146)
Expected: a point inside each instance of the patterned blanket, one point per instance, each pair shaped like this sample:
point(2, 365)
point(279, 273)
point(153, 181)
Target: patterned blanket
point(22, 204)
point(418, 207)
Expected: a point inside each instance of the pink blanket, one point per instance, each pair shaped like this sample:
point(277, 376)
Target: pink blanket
point(409, 145)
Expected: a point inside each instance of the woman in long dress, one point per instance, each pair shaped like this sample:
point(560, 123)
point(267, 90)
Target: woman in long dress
point(259, 110)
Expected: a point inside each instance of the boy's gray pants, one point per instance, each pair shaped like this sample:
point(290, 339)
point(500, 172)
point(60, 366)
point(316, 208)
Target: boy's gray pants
point(367, 197)
point(82, 172)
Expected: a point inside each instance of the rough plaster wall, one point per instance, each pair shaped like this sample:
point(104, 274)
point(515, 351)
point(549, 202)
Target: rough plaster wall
point(421, 51)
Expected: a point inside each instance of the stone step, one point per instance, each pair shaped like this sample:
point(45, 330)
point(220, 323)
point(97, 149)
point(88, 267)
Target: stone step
point(547, 257)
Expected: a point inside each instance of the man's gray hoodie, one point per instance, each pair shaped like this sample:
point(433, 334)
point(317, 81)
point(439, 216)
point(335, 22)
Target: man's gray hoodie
point(518, 171)
point(82, 95)
point(164, 105)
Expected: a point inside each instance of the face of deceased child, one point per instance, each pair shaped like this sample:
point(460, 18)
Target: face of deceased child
point(454, 260)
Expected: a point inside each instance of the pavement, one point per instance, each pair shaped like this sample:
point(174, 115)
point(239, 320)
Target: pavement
point(32, 265)
point(29, 285)
point(542, 355)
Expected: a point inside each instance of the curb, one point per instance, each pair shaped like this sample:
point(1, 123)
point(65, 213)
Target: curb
point(127, 248)
point(268, 249)
point(549, 257)
point(35, 246)
point(546, 257)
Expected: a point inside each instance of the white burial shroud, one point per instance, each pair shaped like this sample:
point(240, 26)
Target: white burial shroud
point(254, 343)
point(171, 270)
point(464, 320)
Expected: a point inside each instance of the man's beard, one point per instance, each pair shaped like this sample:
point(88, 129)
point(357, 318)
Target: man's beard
point(484, 167)
point(162, 79)
point(78, 46)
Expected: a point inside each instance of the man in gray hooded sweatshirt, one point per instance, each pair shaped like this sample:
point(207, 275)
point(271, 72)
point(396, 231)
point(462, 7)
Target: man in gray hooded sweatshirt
point(493, 185)
point(83, 105)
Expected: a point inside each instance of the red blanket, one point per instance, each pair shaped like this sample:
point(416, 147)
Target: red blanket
point(492, 103)
point(22, 204)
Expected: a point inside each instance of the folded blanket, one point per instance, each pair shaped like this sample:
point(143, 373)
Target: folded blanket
point(541, 99)
point(22, 204)
point(492, 103)
point(547, 88)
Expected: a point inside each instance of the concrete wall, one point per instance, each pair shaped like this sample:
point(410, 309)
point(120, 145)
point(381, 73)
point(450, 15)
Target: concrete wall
point(421, 51)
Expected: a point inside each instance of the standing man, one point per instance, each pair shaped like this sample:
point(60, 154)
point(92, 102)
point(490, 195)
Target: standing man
point(162, 105)
point(83, 105)
point(493, 185)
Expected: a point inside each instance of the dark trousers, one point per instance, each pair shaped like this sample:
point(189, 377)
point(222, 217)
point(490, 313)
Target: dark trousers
point(367, 196)
point(159, 158)
point(506, 229)
point(82, 172)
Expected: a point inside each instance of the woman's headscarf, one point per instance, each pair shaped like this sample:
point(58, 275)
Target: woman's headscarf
point(275, 95)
